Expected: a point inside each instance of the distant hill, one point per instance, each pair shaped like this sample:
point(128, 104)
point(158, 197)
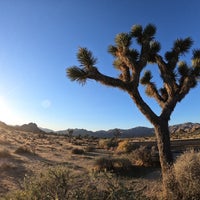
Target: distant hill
point(188, 127)
point(31, 127)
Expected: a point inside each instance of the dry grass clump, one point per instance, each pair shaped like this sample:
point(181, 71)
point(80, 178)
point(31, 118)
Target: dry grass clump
point(112, 164)
point(4, 153)
point(108, 143)
point(144, 156)
point(6, 166)
point(78, 151)
point(24, 150)
point(103, 164)
point(60, 184)
point(49, 184)
point(184, 179)
point(89, 148)
point(125, 147)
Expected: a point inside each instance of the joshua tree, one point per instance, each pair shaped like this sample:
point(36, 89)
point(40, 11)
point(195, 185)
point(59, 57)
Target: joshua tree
point(130, 59)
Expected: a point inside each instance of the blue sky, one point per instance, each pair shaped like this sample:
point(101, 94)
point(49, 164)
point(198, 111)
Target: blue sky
point(39, 39)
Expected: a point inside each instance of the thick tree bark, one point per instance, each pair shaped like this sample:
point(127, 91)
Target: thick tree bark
point(163, 142)
point(164, 147)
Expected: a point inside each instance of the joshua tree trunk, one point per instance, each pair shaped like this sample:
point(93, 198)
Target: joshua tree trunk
point(163, 142)
point(164, 148)
point(161, 129)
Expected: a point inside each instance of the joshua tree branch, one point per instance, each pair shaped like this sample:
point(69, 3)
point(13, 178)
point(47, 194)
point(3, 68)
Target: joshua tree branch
point(167, 75)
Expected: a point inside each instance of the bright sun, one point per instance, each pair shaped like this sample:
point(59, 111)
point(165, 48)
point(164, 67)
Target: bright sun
point(6, 114)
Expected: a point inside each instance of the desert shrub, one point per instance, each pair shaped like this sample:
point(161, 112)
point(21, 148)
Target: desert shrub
point(185, 177)
point(144, 156)
point(89, 148)
point(77, 142)
point(125, 146)
point(103, 164)
point(108, 143)
point(102, 143)
point(122, 165)
point(4, 166)
point(24, 150)
point(112, 164)
point(48, 185)
point(58, 183)
point(77, 151)
point(4, 153)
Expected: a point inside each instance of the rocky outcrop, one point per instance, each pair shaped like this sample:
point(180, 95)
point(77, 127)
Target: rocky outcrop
point(185, 128)
point(31, 127)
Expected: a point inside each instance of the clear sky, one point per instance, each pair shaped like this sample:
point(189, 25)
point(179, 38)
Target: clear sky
point(39, 39)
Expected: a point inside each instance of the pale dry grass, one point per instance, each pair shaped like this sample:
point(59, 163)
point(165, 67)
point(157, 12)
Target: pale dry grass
point(28, 153)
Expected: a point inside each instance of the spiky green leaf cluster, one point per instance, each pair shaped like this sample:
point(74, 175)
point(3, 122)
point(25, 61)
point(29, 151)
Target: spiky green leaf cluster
point(136, 31)
point(146, 78)
point(155, 46)
point(118, 63)
point(141, 35)
point(153, 50)
point(123, 40)
point(151, 90)
point(149, 31)
point(76, 74)
point(196, 58)
point(86, 58)
point(112, 50)
point(183, 69)
point(182, 46)
point(134, 54)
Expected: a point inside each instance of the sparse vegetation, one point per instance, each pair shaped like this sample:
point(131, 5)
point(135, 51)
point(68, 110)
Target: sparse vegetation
point(108, 143)
point(125, 146)
point(144, 156)
point(102, 174)
point(24, 150)
point(184, 179)
point(4, 153)
point(59, 183)
point(89, 148)
point(78, 151)
point(116, 165)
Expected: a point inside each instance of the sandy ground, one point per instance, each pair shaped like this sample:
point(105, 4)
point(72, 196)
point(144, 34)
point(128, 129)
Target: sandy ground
point(25, 153)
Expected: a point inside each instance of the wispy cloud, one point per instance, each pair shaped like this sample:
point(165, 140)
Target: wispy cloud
point(46, 103)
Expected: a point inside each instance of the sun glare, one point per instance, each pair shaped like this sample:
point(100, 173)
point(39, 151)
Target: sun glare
point(6, 114)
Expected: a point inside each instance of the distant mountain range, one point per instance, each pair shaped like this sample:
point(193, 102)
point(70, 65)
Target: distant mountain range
point(124, 133)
